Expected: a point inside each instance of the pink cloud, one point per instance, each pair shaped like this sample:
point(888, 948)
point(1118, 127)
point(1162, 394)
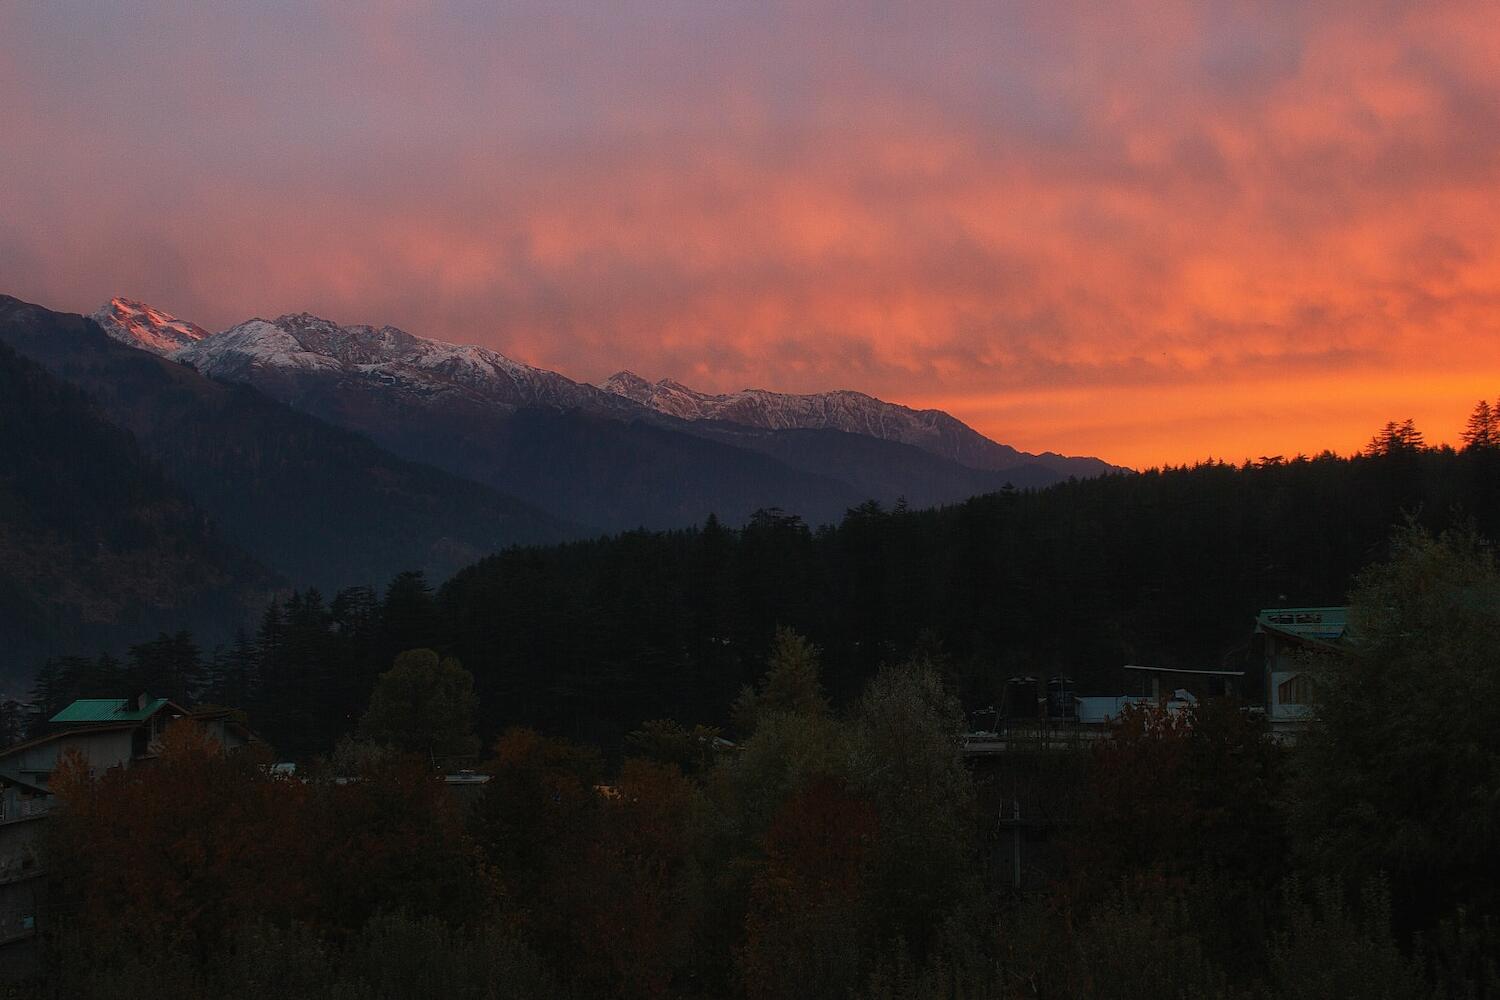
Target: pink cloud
point(1154, 231)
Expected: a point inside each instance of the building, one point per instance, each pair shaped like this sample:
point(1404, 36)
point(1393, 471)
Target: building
point(23, 807)
point(106, 732)
point(113, 732)
point(1289, 636)
point(1161, 684)
point(1106, 710)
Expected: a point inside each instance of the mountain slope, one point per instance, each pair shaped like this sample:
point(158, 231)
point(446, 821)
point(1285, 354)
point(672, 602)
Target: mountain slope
point(139, 325)
point(587, 455)
point(617, 457)
point(96, 545)
point(305, 344)
point(874, 467)
point(269, 350)
point(316, 503)
point(845, 410)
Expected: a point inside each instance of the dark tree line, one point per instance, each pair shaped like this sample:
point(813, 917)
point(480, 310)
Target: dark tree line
point(586, 639)
point(1167, 567)
point(304, 674)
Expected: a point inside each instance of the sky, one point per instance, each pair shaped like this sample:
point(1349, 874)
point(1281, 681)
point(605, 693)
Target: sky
point(1151, 231)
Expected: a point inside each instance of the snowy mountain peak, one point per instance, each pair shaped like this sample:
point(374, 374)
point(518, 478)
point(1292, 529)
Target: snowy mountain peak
point(139, 325)
point(384, 358)
point(628, 384)
point(351, 369)
point(841, 410)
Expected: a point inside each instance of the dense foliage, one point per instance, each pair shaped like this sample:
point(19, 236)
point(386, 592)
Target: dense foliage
point(585, 640)
point(830, 854)
point(840, 846)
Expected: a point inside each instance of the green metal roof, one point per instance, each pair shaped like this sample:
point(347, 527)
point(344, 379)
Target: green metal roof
point(108, 710)
point(1315, 623)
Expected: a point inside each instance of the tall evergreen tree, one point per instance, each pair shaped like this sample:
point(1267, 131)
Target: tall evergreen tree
point(409, 616)
point(1483, 428)
point(791, 685)
point(46, 690)
point(169, 666)
point(235, 673)
point(355, 617)
point(1394, 439)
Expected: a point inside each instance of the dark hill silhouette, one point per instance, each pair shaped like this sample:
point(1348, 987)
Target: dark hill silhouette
point(316, 503)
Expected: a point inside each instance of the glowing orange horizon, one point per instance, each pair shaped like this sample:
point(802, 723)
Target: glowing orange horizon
point(1156, 232)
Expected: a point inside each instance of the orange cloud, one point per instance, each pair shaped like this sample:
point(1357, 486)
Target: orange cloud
point(1155, 231)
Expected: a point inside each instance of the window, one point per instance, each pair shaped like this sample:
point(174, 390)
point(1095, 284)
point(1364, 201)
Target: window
point(1295, 690)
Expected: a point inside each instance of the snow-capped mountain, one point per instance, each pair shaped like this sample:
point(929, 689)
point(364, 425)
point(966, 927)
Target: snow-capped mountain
point(294, 346)
point(618, 456)
point(388, 357)
point(139, 325)
point(843, 410)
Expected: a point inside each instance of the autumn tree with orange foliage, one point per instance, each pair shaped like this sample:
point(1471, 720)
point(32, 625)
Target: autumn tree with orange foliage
point(805, 934)
point(534, 822)
point(392, 839)
point(635, 903)
point(600, 877)
point(176, 853)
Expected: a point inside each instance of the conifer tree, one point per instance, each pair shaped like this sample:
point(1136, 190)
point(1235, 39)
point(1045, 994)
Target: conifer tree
point(106, 679)
point(409, 617)
point(1483, 429)
point(46, 689)
point(791, 685)
point(233, 675)
point(1396, 439)
point(169, 666)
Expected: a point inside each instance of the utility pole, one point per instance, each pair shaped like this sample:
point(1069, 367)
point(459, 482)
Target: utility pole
point(1015, 833)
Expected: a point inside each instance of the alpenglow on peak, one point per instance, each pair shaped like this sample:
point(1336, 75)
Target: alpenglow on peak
point(146, 327)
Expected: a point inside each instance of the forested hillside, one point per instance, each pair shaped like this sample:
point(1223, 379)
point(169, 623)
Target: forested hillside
point(94, 541)
point(1166, 567)
point(315, 503)
point(588, 639)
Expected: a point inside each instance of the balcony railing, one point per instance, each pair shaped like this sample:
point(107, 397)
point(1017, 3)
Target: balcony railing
point(25, 809)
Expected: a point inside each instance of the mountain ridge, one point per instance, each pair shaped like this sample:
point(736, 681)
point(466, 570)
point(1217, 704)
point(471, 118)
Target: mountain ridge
point(98, 547)
point(294, 343)
point(847, 410)
point(315, 502)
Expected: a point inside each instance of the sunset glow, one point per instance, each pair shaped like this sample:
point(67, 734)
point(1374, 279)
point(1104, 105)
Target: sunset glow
point(1154, 232)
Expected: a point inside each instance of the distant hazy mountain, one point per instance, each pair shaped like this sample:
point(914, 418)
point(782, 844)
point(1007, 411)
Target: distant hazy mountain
point(316, 503)
point(97, 546)
point(845, 410)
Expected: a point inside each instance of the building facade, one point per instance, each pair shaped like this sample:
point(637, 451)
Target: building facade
point(1291, 638)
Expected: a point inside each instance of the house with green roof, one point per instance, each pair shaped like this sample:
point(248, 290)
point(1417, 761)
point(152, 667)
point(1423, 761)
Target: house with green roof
point(1289, 637)
point(107, 732)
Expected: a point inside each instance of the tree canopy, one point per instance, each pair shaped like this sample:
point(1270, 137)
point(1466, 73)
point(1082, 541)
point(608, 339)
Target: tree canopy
point(424, 705)
point(1402, 773)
